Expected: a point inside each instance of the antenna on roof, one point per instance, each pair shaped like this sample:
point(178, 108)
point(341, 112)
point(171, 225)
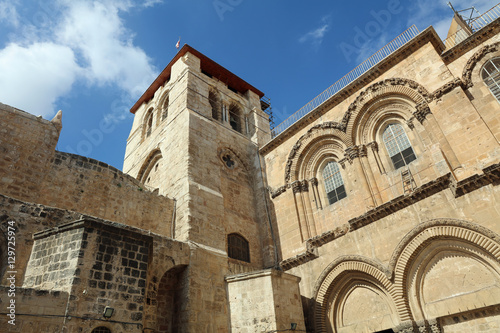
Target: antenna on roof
point(468, 17)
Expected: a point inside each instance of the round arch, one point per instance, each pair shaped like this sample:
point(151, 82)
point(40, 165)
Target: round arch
point(153, 157)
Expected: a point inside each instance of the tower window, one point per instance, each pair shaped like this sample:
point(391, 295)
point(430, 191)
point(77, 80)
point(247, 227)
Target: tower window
point(164, 112)
point(334, 185)
point(398, 146)
point(491, 76)
point(237, 248)
point(215, 105)
point(235, 117)
point(149, 123)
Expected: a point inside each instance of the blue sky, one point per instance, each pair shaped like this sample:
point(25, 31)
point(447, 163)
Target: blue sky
point(93, 59)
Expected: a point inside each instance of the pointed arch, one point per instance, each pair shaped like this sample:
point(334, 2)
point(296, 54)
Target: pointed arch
point(153, 158)
point(215, 104)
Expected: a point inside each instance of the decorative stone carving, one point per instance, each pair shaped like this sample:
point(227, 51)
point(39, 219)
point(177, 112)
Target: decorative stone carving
point(304, 186)
point(276, 193)
point(410, 123)
point(469, 67)
point(296, 186)
point(314, 181)
point(422, 111)
point(351, 153)
point(363, 152)
point(373, 145)
point(446, 88)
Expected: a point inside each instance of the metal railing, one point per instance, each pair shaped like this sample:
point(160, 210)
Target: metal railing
point(476, 24)
point(381, 54)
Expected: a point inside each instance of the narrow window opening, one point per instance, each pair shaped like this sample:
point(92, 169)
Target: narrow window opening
point(237, 248)
point(235, 117)
point(164, 113)
point(215, 105)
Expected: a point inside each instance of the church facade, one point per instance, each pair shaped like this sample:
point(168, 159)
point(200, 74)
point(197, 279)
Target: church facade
point(377, 211)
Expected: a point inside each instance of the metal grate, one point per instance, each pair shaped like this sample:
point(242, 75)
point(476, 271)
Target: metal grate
point(101, 329)
point(491, 76)
point(381, 54)
point(334, 185)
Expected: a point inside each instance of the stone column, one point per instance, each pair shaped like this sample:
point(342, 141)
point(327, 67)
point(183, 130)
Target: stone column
point(363, 154)
point(352, 154)
point(309, 213)
point(317, 198)
point(374, 148)
point(299, 207)
point(427, 119)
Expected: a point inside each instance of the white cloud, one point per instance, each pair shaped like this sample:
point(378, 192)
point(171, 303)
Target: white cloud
point(33, 78)
point(315, 36)
point(8, 13)
point(90, 43)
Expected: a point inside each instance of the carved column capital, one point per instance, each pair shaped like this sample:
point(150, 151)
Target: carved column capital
point(296, 186)
point(351, 153)
point(363, 152)
point(304, 186)
point(373, 145)
point(314, 181)
point(410, 123)
point(422, 111)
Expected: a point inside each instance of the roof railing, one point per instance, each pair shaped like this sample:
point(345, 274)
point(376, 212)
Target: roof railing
point(381, 54)
point(476, 24)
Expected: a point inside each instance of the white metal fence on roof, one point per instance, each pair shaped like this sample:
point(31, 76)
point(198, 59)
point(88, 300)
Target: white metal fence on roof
point(476, 24)
point(381, 54)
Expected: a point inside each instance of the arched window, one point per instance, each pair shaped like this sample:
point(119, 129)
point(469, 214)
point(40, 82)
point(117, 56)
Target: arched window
point(215, 104)
point(101, 329)
point(237, 248)
point(235, 117)
point(398, 146)
point(149, 123)
point(334, 185)
point(164, 112)
point(491, 76)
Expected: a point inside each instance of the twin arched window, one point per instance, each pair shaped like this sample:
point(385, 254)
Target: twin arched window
point(398, 146)
point(237, 248)
point(334, 184)
point(491, 76)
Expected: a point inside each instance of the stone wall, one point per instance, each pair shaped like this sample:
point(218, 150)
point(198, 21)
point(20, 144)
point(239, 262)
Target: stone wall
point(264, 301)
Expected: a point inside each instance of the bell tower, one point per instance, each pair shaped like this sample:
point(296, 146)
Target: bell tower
point(195, 137)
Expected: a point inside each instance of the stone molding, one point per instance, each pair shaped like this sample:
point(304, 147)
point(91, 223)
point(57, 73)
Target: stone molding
point(472, 62)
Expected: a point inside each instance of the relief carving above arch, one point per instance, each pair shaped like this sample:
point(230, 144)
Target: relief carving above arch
point(472, 62)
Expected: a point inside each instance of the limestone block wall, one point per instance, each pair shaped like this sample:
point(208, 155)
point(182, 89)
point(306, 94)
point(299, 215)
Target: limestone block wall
point(413, 87)
point(264, 301)
point(28, 219)
point(36, 310)
point(86, 185)
point(450, 273)
point(27, 144)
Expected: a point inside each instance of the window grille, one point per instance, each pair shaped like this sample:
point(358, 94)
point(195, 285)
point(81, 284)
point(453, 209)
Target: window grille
point(334, 185)
point(398, 146)
point(491, 76)
point(101, 329)
point(237, 248)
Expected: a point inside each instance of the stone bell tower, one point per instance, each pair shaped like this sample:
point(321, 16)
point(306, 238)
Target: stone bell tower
point(195, 138)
